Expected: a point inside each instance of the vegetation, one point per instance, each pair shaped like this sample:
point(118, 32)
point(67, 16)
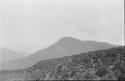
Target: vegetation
point(108, 64)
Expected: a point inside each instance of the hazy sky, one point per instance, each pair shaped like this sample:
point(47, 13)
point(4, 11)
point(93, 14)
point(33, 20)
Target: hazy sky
point(30, 25)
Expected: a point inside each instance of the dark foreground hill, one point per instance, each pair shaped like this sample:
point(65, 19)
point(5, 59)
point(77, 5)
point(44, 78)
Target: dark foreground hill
point(66, 46)
point(108, 64)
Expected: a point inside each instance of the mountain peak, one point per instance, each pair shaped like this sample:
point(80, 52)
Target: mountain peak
point(75, 40)
point(68, 40)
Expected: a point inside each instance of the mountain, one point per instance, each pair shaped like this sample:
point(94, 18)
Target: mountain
point(8, 55)
point(106, 64)
point(66, 46)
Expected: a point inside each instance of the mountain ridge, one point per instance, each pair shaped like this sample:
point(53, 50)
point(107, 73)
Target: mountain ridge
point(66, 46)
point(8, 55)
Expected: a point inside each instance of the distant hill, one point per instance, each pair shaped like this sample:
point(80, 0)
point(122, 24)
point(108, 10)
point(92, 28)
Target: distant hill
point(8, 55)
point(105, 64)
point(66, 46)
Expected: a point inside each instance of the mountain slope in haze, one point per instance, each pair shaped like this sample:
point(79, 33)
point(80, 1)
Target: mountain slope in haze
point(105, 64)
point(8, 55)
point(64, 47)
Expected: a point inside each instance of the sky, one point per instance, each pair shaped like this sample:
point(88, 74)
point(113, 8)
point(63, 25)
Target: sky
point(30, 25)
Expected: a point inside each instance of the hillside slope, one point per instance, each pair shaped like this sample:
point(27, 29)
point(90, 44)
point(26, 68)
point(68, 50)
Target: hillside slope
point(66, 46)
point(105, 64)
point(8, 55)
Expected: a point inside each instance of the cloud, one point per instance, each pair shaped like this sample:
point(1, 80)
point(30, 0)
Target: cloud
point(35, 24)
